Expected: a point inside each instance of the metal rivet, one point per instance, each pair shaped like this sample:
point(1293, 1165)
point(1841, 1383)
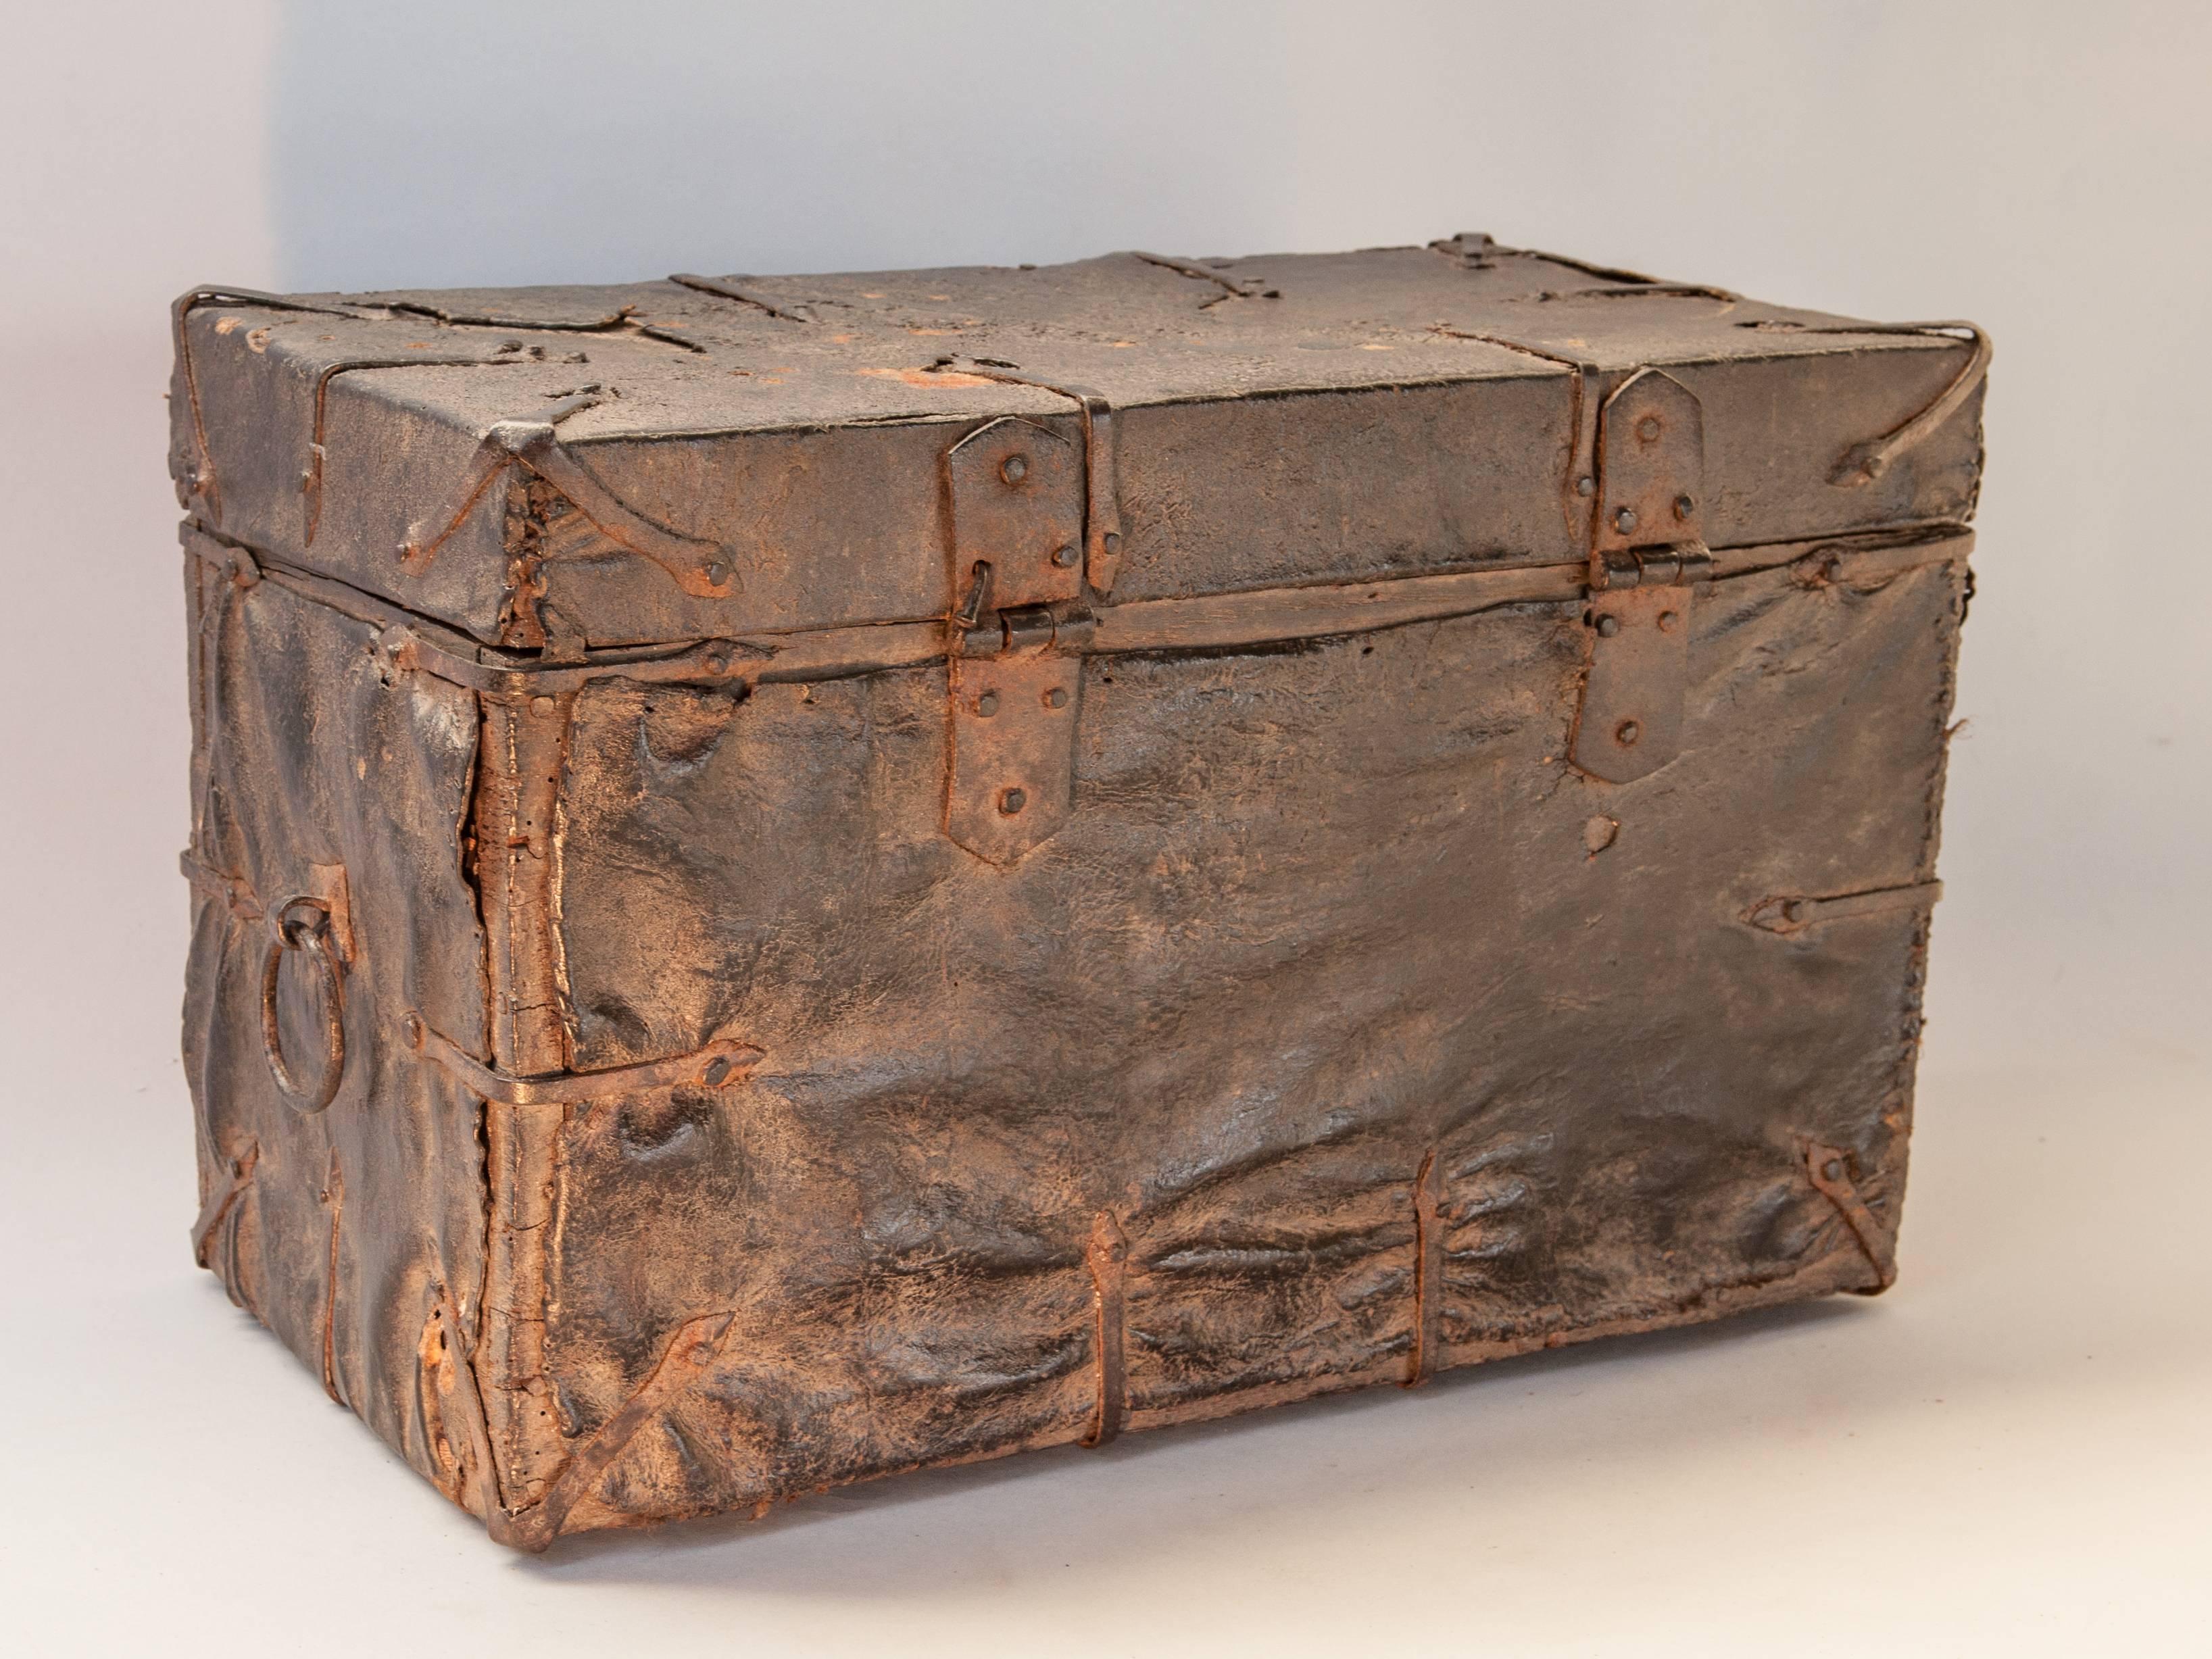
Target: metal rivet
point(1648, 429)
point(988, 704)
point(717, 573)
point(1625, 520)
point(1833, 570)
point(1586, 486)
point(1014, 468)
point(1684, 507)
point(717, 1070)
point(541, 705)
point(1011, 801)
point(1669, 621)
point(1626, 733)
point(1600, 832)
point(1113, 543)
point(1065, 556)
point(718, 662)
point(1833, 1168)
point(1608, 626)
point(1055, 698)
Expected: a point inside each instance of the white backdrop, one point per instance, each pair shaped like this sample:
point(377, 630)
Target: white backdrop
point(2008, 1454)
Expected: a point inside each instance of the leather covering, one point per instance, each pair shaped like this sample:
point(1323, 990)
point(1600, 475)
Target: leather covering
point(706, 1123)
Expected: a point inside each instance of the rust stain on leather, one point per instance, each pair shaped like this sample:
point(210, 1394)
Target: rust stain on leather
point(1171, 862)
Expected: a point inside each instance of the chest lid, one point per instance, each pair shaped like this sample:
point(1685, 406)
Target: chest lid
point(557, 470)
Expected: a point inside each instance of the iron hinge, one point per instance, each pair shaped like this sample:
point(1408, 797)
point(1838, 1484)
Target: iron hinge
point(1647, 560)
point(1015, 670)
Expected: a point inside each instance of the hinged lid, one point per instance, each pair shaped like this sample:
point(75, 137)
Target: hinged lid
point(575, 470)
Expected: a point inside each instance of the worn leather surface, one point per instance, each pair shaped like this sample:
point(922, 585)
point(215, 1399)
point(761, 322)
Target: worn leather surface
point(1342, 1030)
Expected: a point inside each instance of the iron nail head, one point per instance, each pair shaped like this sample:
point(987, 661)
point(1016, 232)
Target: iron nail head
point(988, 704)
point(1833, 1168)
point(1113, 543)
point(718, 1071)
point(541, 705)
point(1669, 621)
point(1607, 626)
point(1626, 733)
point(1011, 801)
point(1014, 468)
point(1624, 519)
point(1683, 505)
point(1648, 429)
point(1064, 556)
point(1586, 485)
point(1055, 698)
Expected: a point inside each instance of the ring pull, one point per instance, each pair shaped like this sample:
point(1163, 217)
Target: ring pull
point(304, 923)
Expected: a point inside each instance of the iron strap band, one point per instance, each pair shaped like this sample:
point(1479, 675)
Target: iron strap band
point(1794, 914)
point(234, 892)
point(1208, 622)
point(712, 1067)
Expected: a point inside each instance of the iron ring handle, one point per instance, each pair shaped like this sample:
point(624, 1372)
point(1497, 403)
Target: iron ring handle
point(304, 923)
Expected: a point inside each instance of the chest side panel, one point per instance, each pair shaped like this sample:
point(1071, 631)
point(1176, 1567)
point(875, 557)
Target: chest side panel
point(1367, 1034)
point(331, 791)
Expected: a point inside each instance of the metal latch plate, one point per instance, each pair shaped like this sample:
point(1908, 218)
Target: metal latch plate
point(1016, 493)
point(1015, 676)
point(1630, 723)
point(1651, 465)
point(1647, 552)
point(1013, 749)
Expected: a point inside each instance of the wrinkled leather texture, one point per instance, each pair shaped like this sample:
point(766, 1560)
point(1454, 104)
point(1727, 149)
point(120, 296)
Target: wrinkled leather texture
point(353, 1222)
point(1319, 913)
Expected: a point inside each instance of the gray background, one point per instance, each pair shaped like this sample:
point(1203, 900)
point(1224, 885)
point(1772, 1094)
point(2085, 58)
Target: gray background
point(2008, 1454)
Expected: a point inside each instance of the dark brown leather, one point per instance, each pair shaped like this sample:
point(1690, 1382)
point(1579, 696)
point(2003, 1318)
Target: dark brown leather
point(712, 1125)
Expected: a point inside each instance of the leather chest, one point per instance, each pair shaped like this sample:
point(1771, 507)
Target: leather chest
point(797, 878)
